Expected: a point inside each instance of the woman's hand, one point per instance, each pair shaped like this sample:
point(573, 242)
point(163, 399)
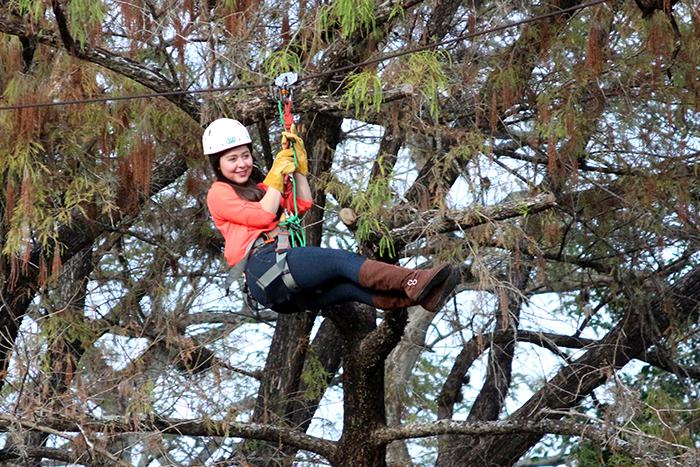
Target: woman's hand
point(282, 165)
point(298, 144)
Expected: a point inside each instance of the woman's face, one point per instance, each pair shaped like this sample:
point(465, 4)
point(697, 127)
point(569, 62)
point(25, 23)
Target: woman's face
point(237, 164)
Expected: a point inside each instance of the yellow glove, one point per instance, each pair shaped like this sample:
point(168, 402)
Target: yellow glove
point(286, 154)
point(298, 144)
point(280, 167)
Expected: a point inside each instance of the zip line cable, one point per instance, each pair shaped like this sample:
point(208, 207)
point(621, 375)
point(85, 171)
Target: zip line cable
point(316, 75)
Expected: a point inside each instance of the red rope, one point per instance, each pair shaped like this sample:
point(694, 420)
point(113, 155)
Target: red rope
point(287, 116)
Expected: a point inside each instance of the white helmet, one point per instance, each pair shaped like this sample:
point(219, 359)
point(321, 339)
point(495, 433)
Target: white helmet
point(223, 134)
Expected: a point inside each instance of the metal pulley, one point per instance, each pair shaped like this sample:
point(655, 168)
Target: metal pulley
point(284, 86)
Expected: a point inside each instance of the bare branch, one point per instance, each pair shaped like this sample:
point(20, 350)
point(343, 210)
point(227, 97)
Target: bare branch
point(24, 452)
point(437, 222)
point(181, 427)
point(606, 437)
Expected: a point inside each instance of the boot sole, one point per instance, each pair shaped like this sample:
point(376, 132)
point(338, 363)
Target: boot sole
point(451, 282)
point(439, 277)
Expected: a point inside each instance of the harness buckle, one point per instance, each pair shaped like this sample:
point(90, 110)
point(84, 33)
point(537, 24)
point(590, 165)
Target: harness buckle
point(271, 236)
point(282, 241)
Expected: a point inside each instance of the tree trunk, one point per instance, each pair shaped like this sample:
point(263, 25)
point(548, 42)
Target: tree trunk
point(365, 349)
point(399, 367)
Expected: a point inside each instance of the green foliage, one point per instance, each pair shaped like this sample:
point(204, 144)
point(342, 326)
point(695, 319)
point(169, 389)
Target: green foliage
point(425, 70)
point(66, 163)
point(65, 324)
point(85, 16)
point(373, 204)
point(354, 15)
point(33, 8)
point(281, 61)
point(589, 454)
point(141, 400)
point(368, 227)
point(423, 387)
point(28, 212)
point(314, 376)
point(669, 408)
point(552, 125)
point(397, 10)
point(364, 92)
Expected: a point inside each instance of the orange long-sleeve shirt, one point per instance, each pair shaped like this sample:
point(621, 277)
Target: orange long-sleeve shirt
point(241, 221)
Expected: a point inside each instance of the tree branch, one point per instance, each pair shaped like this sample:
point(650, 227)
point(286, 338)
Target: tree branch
point(122, 65)
point(380, 342)
point(28, 452)
point(476, 346)
point(180, 427)
point(415, 225)
point(606, 437)
point(629, 339)
point(661, 359)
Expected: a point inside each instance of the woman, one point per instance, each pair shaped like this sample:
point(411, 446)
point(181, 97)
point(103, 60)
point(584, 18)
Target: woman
point(247, 214)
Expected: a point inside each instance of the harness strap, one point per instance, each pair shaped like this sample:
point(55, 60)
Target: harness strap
point(280, 268)
point(237, 269)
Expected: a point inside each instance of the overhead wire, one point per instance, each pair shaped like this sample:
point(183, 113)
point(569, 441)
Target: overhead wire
point(322, 74)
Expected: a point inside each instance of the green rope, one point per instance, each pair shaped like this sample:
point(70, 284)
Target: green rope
point(293, 223)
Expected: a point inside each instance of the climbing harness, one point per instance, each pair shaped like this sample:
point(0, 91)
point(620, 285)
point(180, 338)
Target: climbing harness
point(281, 235)
point(280, 268)
point(289, 232)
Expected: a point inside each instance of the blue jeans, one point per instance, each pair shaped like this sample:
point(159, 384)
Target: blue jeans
point(326, 277)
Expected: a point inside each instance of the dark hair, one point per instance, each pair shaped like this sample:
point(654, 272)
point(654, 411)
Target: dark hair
point(249, 191)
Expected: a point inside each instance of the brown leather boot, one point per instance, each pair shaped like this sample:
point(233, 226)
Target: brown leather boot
point(416, 283)
point(391, 300)
point(437, 297)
